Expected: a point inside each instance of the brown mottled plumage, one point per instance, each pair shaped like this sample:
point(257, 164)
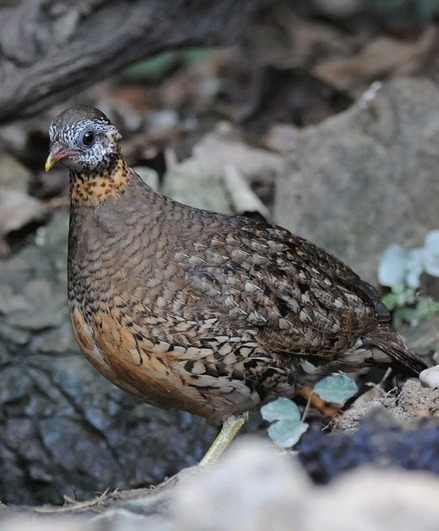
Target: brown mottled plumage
point(204, 312)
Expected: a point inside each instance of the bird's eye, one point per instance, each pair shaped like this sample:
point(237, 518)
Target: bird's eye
point(88, 138)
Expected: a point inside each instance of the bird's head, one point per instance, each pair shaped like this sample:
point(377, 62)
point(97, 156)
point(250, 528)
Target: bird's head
point(84, 140)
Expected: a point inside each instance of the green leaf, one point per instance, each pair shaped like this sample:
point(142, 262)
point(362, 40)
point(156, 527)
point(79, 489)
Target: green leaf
point(286, 433)
point(337, 389)
point(287, 428)
point(390, 300)
point(281, 408)
point(425, 309)
point(154, 68)
point(193, 55)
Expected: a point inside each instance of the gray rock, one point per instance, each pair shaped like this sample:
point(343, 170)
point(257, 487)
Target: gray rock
point(149, 176)
point(430, 377)
point(412, 403)
point(224, 147)
point(424, 337)
point(195, 183)
point(13, 175)
point(366, 178)
point(64, 429)
point(256, 488)
point(17, 209)
point(199, 180)
point(373, 500)
point(55, 524)
point(123, 520)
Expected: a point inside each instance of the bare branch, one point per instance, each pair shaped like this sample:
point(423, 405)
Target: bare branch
point(51, 49)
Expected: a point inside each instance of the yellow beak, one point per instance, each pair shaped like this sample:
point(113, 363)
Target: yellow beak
point(57, 153)
point(50, 162)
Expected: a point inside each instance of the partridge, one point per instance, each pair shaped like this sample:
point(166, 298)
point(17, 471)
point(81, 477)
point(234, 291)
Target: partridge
point(200, 311)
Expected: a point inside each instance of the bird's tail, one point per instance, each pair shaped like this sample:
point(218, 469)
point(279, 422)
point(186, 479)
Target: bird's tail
point(393, 345)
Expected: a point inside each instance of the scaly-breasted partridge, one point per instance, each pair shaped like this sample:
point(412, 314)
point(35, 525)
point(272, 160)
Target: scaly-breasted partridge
point(199, 311)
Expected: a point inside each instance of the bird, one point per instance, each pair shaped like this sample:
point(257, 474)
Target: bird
point(200, 311)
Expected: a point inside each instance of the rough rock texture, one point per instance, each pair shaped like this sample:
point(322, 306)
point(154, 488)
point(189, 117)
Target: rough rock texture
point(64, 430)
point(13, 175)
point(17, 210)
point(424, 337)
point(380, 440)
point(349, 185)
point(410, 404)
point(200, 180)
point(257, 488)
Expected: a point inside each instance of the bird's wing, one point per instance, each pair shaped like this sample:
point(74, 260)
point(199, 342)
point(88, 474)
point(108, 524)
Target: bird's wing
point(296, 296)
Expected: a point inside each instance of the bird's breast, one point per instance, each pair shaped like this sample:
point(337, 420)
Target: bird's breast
point(155, 370)
point(138, 367)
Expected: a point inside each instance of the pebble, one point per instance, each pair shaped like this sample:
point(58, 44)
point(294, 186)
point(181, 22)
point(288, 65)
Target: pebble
point(430, 377)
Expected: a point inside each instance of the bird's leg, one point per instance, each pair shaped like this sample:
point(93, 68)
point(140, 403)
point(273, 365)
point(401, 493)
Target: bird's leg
point(229, 431)
point(316, 402)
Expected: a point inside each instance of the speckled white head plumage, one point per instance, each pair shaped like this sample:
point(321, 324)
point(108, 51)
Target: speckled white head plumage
point(84, 140)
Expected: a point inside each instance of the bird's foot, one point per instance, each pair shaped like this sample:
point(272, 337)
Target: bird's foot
point(229, 431)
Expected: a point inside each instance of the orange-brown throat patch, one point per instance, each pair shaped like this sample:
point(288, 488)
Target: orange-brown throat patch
point(93, 189)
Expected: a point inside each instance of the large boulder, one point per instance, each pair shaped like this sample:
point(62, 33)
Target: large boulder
point(367, 177)
point(255, 488)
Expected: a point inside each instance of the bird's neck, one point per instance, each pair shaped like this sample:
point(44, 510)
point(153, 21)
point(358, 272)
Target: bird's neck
point(91, 188)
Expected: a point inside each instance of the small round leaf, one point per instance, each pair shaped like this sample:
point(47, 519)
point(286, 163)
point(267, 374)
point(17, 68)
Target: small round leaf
point(281, 408)
point(286, 433)
point(337, 389)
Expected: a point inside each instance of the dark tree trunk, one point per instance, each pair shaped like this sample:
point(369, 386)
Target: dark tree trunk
point(50, 49)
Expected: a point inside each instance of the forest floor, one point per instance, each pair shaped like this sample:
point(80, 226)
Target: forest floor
point(324, 119)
